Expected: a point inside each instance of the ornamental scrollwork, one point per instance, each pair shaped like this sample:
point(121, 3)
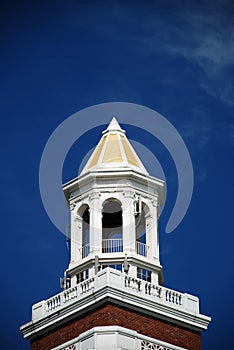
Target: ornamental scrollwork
point(146, 345)
point(71, 347)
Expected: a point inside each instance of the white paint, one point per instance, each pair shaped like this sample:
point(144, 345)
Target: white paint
point(115, 338)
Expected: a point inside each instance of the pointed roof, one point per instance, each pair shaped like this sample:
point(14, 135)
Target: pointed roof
point(114, 151)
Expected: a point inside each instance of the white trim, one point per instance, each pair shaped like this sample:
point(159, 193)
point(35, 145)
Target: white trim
point(116, 287)
point(121, 334)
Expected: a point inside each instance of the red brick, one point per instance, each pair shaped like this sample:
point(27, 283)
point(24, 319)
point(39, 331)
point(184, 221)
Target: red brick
point(112, 315)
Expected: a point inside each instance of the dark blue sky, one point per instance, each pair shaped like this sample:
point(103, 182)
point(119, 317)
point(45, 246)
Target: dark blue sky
point(176, 57)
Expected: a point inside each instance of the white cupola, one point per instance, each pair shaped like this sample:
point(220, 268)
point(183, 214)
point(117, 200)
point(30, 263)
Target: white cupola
point(115, 206)
point(112, 296)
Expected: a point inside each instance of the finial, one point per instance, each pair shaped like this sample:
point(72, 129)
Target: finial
point(114, 125)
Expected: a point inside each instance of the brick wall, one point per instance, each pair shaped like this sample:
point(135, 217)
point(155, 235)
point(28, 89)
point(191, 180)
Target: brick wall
point(112, 315)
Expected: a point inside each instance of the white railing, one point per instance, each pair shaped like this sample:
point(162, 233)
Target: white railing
point(86, 286)
point(141, 248)
point(53, 303)
point(85, 250)
point(69, 295)
point(122, 283)
point(133, 283)
point(173, 297)
point(167, 295)
point(114, 245)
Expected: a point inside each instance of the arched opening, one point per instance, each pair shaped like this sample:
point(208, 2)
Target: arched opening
point(112, 231)
point(140, 227)
point(85, 216)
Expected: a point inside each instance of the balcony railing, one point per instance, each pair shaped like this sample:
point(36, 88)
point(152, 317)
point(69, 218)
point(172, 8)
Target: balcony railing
point(85, 250)
point(129, 285)
point(141, 248)
point(114, 245)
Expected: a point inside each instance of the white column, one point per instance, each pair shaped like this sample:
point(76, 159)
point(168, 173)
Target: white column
point(95, 224)
point(129, 234)
point(76, 237)
point(152, 232)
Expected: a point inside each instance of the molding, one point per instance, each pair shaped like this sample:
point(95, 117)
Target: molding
point(138, 178)
point(109, 286)
point(117, 335)
point(115, 258)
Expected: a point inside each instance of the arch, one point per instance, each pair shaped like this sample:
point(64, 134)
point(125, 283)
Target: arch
point(81, 210)
point(84, 214)
point(141, 228)
point(112, 226)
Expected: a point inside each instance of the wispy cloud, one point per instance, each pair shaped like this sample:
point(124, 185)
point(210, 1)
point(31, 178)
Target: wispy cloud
point(211, 47)
point(204, 36)
point(200, 32)
point(212, 38)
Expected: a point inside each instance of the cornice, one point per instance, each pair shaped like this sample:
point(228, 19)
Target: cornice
point(109, 287)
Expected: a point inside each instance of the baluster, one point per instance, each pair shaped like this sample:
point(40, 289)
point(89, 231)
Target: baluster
point(139, 286)
point(173, 297)
point(125, 281)
point(159, 292)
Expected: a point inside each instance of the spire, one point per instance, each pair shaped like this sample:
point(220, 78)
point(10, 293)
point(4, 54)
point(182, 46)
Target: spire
point(113, 126)
point(114, 151)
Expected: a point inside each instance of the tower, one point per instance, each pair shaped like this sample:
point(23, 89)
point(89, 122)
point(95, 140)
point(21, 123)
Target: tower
point(113, 296)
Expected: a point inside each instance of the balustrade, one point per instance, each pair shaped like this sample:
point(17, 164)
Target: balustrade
point(114, 245)
point(69, 294)
point(141, 248)
point(154, 290)
point(85, 250)
point(147, 288)
point(133, 283)
point(137, 285)
point(86, 286)
point(53, 303)
point(173, 297)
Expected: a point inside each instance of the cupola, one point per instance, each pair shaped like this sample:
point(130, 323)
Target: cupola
point(115, 206)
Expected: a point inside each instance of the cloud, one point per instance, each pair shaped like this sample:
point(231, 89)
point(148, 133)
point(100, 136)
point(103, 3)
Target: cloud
point(209, 44)
point(212, 38)
point(204, 36)
point(200, 32)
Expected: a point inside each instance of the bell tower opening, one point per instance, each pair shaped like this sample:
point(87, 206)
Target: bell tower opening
point(141, 231)
point(112, 226)
point(85, 215)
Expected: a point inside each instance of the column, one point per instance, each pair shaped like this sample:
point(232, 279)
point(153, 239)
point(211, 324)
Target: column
point(152, 231)
point(95, 224)
point(129, 234)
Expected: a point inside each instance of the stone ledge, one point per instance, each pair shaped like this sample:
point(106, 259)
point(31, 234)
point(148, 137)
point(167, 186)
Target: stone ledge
point(115, 338)
point(116, 287)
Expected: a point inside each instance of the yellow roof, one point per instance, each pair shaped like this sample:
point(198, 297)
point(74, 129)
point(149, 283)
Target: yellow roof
point(114, 151)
